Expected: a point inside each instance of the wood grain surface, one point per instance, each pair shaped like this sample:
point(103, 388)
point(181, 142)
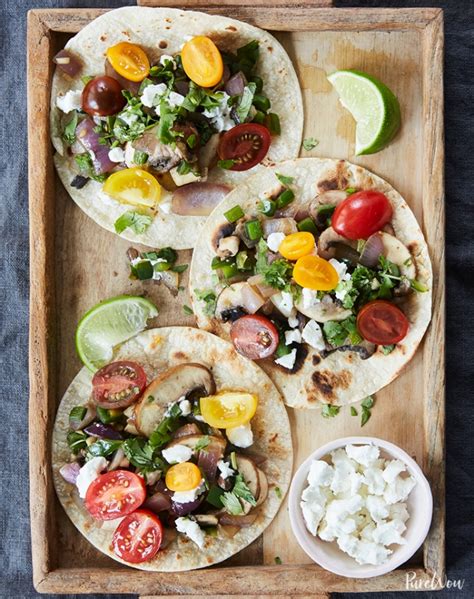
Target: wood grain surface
point(75, 264)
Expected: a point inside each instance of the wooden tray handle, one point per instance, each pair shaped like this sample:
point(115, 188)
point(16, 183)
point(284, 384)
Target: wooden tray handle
point(197, 4)
point(317, 596)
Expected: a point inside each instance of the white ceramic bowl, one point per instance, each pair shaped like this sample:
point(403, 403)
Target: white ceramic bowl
point(328, 555)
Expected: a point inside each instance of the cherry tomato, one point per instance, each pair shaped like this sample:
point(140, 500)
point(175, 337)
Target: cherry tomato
point(183, 477)
point(228, 409)
point(138, 537)
point(315, 273)
point(118, 384)
point(115, 494)
point(202, 61)
point(133, 186)
point(129, 61)
point(254, 336)
point(245, 144)
point(382, 323)
point(361, 214)
point(102, 96)
point(297, 245)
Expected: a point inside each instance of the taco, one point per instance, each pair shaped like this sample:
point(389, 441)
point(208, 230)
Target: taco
point(183, 444)
point(318, 269)
point(157, 113)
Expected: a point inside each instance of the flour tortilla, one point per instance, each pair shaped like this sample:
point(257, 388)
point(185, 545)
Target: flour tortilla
point(342, 377)
point(151, 27)
point(157, 350)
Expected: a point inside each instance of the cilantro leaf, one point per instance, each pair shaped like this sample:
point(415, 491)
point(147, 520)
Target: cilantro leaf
point(170, 423)
point(141, 454)
point(69, 133)
point(278, 273)
point(284, 179)
point(309, 143)
point(231, 504)
point(338, 332)
point(241, 490)
point(245, 104)
point(139, 223)
point(388, 349)
point(209, 298)
point(202, 443)
point(102, 448)
point(353, 411)
point(330, 411)
point(188, 310)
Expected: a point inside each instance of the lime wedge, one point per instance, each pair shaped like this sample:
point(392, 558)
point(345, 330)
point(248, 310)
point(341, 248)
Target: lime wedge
point(108, 324)
point(374, 107)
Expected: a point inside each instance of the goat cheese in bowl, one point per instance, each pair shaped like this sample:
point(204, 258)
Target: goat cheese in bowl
point(360, 506)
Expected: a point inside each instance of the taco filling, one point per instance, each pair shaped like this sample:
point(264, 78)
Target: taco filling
point(167, 458)
point(327, 274)
point(142, 125)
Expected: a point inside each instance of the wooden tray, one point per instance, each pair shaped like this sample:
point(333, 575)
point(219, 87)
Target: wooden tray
point(75, 263)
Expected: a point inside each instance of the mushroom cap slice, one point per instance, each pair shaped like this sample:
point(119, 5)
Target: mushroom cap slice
point(167, 388)
point(262, 479)
point(323, 311)
point(230, 297)
point(192, 440)
point(398, 253)
point(249, 471)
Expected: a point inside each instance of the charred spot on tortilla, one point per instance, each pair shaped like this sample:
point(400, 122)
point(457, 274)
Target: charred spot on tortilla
point(316, 359)
point(231, 28)
point(326, 382)
point(179, 355)
point(273, 438)
point(103, 37)
point(162, 45)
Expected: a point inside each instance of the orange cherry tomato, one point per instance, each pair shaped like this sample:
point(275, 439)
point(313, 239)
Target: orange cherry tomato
point(202, 61)
point(315, 273)
point(183, 477)
point(297, 245)
point(129, 60)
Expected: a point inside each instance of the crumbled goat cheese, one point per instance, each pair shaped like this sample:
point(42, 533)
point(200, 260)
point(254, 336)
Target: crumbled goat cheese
point(356, 501)
point(72, 100)
point(164, 58)
point(313, 335)
point(89, 472)
point(185, 407)
point(151, 93)
point(287, 361)
point(293, 336)
point(284, 302)
point(240, 436)
point(293, 321)
point(128, 118)
point(177, 454)
point(274, 241)
point(116, 155)
point(225, 469)
point(310, 298)
point(174, 99)
point(192, 530)
point(189, 496)
point(220, 115)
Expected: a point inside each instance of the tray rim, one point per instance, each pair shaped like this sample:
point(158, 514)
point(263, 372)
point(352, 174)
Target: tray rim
point(261, 578)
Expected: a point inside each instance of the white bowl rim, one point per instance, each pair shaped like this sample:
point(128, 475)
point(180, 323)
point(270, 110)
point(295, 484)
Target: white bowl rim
point(306, 539)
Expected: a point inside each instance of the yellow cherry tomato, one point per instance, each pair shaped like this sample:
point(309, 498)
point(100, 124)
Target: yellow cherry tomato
point(129, 60)
point(183, 477)
point(202, 61)
point(228, 408)
point(133, 186)
point(315, 273)
point(297, 245)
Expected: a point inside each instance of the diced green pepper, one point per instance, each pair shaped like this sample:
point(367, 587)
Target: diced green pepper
point(259, 117)
point(108, 416)
point(227, 266)
point(161, 266)
point(234, 214)
point(254, 230)
point(272, 121)
point(261, 102)
point(267, 207)
point(244, 261)
point(307, 224)
point(258, 82)
point(285, 198)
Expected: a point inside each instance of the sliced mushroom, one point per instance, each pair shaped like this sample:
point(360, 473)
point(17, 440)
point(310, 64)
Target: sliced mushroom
point(228, 246)
point(364, 349)
point(161, 157)
point(332, 197)
point(198, 199)
point(192, 440)
point(223, 230)
point(225, 483)
point(395, 251)
point(326, 242)
point(262, 479)
point(208, 153)
point(249, 471)
point(238, 295)
point(176, 382)
point(206, 519)
point(279, 225)
point(324, 310)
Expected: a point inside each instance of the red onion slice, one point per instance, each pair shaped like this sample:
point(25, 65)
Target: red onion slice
point(70, 472)
point(252, 301)
point(131, 86)
point(207, 461)
point(183, 509)
point(159, 502)
point(99, 152)
point(68, 63)
point(186, 431)
point(198, 199)
point(103, 431)
point(236, 84)
point(373, 249)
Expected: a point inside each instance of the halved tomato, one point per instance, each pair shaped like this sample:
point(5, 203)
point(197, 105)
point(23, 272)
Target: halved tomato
point(133, 186)
point(129, 61)
point(254, 336)
point(115, 494)
point(297, 245)
point(183, 477)
point(382, 323)
point(138, 537)
point(202, 61)
point(315, 273)
point(118, 384)
point(362, 214)
point(246, 145)
point(228, 409)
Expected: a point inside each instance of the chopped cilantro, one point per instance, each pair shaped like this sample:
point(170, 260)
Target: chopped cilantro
point(139, 223)
point(187, 310)
point(330, 411)
point(353, 411)
point(209, 298)
point(309, 143)
point(69, 134)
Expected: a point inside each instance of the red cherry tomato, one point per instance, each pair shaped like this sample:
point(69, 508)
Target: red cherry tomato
point(361, 214)
point(115, 494)
point(102, 96)
point(254, 336)
point(245, 144)
point(118, 384)
point(138, 537)
point(382, 323)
